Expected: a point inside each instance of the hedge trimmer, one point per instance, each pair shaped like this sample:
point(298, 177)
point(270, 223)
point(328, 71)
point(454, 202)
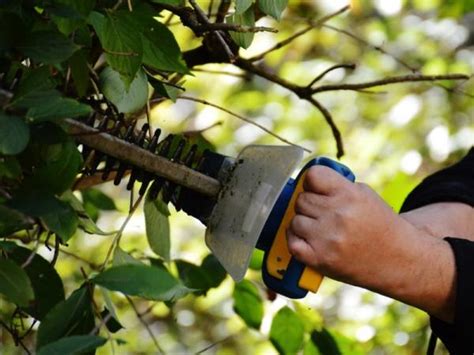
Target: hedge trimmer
point(246, 202)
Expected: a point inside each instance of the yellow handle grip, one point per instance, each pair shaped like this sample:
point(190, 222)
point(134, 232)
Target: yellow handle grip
point(279, 256)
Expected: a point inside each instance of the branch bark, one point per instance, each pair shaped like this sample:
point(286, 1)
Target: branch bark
point(143, 159)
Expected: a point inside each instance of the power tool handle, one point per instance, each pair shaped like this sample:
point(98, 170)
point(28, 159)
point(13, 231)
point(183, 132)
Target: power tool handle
point(281, 272)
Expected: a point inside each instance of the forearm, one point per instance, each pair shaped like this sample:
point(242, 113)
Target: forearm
point(418, 270)
point(430, 281)
point(444, 219)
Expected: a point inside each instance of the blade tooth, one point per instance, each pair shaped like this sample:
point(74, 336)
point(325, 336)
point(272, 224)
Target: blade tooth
point(139, 142)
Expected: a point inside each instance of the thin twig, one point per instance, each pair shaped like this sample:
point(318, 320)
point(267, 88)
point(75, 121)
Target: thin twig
point(233, 27)
point(328, 117)
point(222, 10)
point(146, 325)
point(245, 119)
point(210, 346)
point(370, 45)
point(290, 39)
point(56, 251)
point(118, 236)
point(330, 69)
point(389, 81)
point(32, 255)
point(198, 131)
point(87, 262)
point(15, 337)
point(203, 19)
point(220, 72)
point(303, 92)
point(209, 8)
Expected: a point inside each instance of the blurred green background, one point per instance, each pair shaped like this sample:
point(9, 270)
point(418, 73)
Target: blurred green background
point(394, 136)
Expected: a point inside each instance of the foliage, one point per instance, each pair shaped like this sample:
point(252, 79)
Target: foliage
point(68, 285)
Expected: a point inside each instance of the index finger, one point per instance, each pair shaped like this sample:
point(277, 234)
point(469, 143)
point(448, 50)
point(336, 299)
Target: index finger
point(323, 180)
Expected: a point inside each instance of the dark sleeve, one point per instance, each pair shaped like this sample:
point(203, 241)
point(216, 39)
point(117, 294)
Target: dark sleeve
point(453, 184)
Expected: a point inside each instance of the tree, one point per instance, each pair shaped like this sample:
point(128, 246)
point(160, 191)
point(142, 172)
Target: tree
point(112, 63)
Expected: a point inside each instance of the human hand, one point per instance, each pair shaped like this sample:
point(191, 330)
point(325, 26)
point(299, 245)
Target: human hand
point(346, 231)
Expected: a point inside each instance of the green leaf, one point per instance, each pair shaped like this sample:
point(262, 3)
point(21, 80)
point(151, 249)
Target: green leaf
point(75, 15)
point(47, 285)
point(14, 134)
point(122, 44)
point(141, 280)
point(121, 257)
point(157, 227)
point(35, 203)
point(10, 168)
point(74, 316)
point(54, 107)
point(48, 133)
point(59, 172)
point(243, 39)
point(193, 276)
point(85, 222)
point(35, 80)
point(15, 284)
point(325, 343)
point(48, 47)
point(248, 304)
point(12, 31)
point(214, 270)
point(64, 223)
point(242, 5)
point(169, 2)
point(331, 343)
point(112, 323)
point(274, 8)
point(12, 221)
point(80, 72)
point(287, 331)
point(58, 216)
point(310, 349)
point(165, 90)
point(160, 49)
point(256, 260)
point(73, 345)
point(128, 98)
point(98, 199)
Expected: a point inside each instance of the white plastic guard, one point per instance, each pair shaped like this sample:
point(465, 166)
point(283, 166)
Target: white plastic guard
point(246, 201)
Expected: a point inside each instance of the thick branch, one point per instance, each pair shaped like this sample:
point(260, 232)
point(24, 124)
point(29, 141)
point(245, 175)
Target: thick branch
point(389, 81)
point(303, 92)
point(143, 159)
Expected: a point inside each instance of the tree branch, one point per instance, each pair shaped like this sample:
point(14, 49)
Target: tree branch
point(370, 45)
point(389, 81)
point(202, 18)
point(245, 119)
point(290, 39)
point(303, 92)
point(330, 69)
point(232, 27)
point(145, 324)
point(335, 131)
